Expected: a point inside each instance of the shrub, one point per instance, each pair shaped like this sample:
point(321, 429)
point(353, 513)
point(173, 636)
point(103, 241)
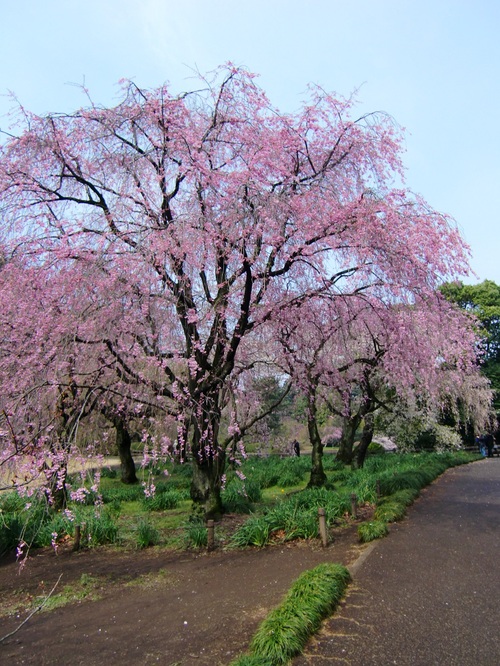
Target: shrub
point(122, 493)
point(235, 500)
point(97, 526)
point(12, 502)
point(375, 447)
point(255, 532)
point(390, 511)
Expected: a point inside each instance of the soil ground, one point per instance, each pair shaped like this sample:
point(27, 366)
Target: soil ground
point(154, 606)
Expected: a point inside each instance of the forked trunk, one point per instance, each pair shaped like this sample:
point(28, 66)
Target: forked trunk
point(349, 426)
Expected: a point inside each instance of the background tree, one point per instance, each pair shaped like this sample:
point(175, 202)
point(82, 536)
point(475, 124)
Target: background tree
point(483, 302)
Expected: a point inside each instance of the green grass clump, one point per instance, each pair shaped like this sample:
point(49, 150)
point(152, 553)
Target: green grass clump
point(285, 631)
point(12, 502)
point(108, 473)
point(254, 532)
point(122, 493)
point(162, 501)
point(11, 529)
point(98, 527)
point(390, 511)
point(146, 534)
point(294, 517)
point(195, 534)
point(394, 507)
point(371, 530)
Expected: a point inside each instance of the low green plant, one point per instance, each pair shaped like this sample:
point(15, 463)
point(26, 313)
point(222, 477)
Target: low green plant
point(371, 530)
point(162, 500)
point(146, 534)
point(254, 532)
point(122, 493)
point(98, 526)
point(390, 511)
point(11, 528)
point(235, 500)
point(285, 631)
point(12, 502)
point(108, 473)
point(195, 534)
point(375, 447)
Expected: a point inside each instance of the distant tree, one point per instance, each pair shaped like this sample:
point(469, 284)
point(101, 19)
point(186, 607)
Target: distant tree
point(364, 354)
point(483, 302)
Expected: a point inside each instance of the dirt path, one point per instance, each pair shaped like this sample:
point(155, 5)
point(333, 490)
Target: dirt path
point(184, 609)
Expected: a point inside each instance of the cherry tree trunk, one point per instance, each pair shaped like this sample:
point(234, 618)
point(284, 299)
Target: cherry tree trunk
point(366, 440)
point(56, 486)
point(124, 445)
point(208, 460)
point(318, 476)
point(350, 425)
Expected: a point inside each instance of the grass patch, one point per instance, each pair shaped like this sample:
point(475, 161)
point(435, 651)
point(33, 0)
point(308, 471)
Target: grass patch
point(88, 588)
point(156, 580)
point(273, 493)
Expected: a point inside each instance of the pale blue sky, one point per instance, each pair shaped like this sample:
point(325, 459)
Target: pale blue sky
point(434, 65)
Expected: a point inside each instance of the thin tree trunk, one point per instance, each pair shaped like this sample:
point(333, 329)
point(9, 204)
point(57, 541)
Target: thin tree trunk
point(124, 446)
point(366, 440)
point(56, 484)
point(318, 476)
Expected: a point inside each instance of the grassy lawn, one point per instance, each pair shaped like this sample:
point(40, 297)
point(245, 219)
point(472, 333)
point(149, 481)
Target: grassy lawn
point(272, 503)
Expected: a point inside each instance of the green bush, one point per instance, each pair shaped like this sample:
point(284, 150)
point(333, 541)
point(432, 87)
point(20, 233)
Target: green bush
point(390, 511)
point(375, 447)
point(97, 526)
point(235, 500)
point(122, 493)
point(12, 502)
point(254, 532)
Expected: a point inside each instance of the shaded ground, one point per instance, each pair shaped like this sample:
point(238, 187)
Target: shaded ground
point(155, 607)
